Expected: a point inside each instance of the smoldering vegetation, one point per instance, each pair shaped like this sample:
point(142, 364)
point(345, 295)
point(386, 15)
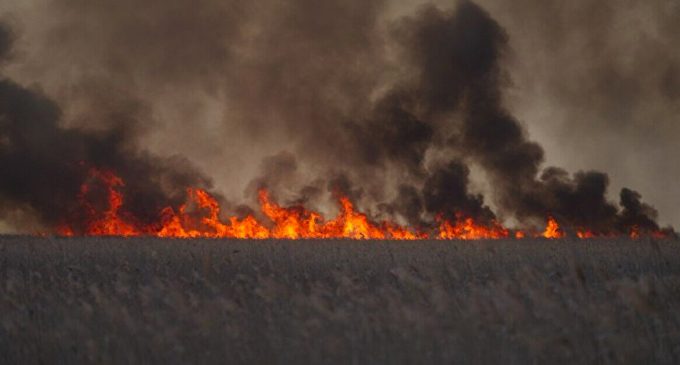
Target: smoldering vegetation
point(109, 300)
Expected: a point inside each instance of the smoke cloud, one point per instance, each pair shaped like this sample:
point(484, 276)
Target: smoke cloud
point(44, 165)
point(594, 81)
point(393, 109)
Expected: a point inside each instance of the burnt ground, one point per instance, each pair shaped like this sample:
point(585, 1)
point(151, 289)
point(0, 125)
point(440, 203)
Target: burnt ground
point(113, 300)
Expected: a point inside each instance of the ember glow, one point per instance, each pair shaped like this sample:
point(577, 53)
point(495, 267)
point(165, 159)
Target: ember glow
point(200, 217)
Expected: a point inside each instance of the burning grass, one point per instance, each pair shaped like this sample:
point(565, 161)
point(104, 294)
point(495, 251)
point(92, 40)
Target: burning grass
point(201, 217)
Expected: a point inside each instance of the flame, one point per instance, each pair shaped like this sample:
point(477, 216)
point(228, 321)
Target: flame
point(297, 222)
point(352, 224)
point(585, 234)
point(183, 225)
point(469, 230)
point(292, 223)
point(201, 216)
point(108, 223)
point(552, 229)
point(65, 231)
point(659, 235)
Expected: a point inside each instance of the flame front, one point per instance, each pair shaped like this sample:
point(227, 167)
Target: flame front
point(467, 229)
point(200, 216)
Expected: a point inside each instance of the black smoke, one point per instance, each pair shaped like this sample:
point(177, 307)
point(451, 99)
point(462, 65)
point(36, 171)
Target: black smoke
point(459, 55)
point(44, 165)
point(394, 113)
point(5, 41)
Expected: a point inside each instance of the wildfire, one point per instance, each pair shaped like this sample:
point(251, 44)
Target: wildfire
point(185, 225)
point(467, 229)
point(297, 222)
point(552, 229)
point(585, 234)
point(110, 223)
point(200, 216)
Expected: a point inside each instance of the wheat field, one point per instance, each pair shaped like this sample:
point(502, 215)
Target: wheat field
point(142, 300)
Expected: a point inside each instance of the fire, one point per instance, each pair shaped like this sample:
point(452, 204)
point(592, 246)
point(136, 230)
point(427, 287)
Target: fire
point(297, 222)
point(201, 216)
point(184, 225)
point(585, 234)
point(109, 223)
point(552, 229)
point(65, 231)
point(292, 223)
point(352, 224)
point(469, 230)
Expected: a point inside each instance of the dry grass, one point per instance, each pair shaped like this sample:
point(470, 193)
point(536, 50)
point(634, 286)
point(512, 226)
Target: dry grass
point(173, 301)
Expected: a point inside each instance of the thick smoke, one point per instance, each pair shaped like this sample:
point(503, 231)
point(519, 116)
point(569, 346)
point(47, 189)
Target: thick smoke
point(597, 83)
point(445, 192)
point(5, 41)
point(458, 58)
point(394, 113)
point(44, 164)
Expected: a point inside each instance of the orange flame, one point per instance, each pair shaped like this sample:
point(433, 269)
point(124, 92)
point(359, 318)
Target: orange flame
point(297, 222)
point(200, 216)
point(183, 225)
point(552, 229)
point(467, 229)
point(109, 223)
point(585, 234)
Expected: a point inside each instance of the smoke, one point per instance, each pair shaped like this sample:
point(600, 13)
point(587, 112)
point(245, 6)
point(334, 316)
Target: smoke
point(596, 83)
point(494, 138)
point(393, 112)
point(5, 41)
point(445, 192)
point(636, 213)
point(44, 164)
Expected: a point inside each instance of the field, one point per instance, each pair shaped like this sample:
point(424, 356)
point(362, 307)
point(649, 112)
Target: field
point(103, 300)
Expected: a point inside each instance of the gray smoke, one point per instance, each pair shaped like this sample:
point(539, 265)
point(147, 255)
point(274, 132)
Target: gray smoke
point(393, 111)
point(44, 165)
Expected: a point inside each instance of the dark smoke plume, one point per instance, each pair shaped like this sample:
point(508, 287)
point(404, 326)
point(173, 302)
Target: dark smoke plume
point(5, 42)
point(597, 83)
point(394, 113)
point(43, 165)
point(458, 57)
point(445, 192)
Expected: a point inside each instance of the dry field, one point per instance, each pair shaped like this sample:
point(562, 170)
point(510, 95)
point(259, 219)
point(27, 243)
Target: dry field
point(117, 300)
